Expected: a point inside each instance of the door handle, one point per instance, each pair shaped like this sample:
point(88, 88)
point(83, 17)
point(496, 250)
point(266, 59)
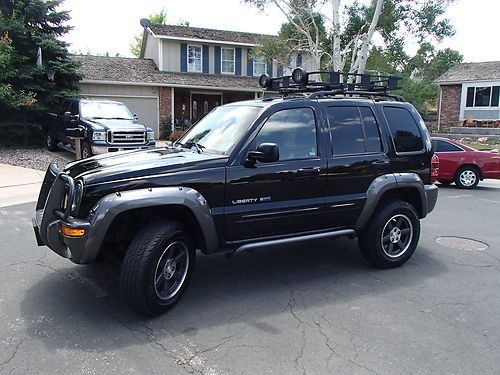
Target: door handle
point(310, 170)
point(380, 162)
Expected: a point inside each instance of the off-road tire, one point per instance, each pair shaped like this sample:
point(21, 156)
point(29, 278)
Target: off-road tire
point(371, 239)
point(466, 174)
point(86, 150)
point(140, 265)
point(51, 142)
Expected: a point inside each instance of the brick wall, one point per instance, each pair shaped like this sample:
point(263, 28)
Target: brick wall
point(449, 112)
point(165, 105)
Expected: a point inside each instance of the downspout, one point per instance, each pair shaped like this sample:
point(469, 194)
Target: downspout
point(439, 108)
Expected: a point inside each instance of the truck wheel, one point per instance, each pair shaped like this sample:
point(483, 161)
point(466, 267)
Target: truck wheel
point(467, 177)
point(51, 142)
point(157, 267)
point(392, 235)
point(86, 150)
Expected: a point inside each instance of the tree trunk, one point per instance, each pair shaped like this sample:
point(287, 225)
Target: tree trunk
point(336, 56)
point(360, 64)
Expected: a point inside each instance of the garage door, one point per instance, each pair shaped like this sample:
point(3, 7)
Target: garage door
point(141, 100)
point(145, 108)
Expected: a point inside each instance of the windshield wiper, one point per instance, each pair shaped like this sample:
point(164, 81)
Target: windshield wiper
point(199, 147)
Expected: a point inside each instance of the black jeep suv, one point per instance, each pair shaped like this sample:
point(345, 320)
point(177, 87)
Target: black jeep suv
point(322, 160)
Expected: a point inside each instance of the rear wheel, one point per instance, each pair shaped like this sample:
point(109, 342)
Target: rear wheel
point(392, 235)
point(51, 142)
point(157, 267)
point(467, 177)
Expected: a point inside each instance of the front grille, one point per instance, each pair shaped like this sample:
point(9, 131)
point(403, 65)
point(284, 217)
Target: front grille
point(127, 137)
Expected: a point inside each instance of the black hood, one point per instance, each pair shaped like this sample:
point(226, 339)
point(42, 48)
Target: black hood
point(140, 163)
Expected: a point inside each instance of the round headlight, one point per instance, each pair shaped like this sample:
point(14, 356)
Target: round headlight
point(265, 81)
point(299, 76)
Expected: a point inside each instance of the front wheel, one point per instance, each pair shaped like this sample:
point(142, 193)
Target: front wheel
point(467, 177)
point(392, 235)
point(86, 150)
point(157, 267)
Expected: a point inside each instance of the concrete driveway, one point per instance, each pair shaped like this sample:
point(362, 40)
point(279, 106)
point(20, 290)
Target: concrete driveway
point(311, 309)
point(19, 185)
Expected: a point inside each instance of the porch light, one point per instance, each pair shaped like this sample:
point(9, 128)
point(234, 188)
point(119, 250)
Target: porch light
point(51, 74)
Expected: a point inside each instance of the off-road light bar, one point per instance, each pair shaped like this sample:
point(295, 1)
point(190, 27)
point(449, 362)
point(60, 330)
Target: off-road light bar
point(326, 83)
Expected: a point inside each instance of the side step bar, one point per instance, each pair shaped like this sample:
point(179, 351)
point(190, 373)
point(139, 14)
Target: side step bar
point(284, 241)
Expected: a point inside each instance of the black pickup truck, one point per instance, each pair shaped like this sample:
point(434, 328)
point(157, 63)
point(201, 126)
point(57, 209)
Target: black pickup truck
point(103, 125)
point(319, 161)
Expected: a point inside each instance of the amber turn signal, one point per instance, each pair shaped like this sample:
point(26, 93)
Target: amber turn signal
point(71, 232)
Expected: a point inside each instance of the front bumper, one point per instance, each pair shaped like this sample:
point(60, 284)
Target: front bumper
point(431, 194)
point(102, 148)
point(53, 210)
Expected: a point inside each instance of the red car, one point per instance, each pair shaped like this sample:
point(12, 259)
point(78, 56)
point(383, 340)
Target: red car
point(464, 165)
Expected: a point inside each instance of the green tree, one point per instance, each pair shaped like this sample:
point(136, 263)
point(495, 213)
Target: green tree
point(155, 18)
point(26, 90)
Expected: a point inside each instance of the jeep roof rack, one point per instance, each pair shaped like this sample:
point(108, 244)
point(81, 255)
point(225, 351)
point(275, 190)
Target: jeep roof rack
point(332, 84)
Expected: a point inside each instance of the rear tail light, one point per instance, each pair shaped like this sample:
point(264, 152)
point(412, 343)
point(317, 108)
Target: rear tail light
point(434, 167)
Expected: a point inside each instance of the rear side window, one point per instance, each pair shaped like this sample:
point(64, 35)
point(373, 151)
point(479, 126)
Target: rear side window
point(404, 129)
point(443, 146)
point(354, 130)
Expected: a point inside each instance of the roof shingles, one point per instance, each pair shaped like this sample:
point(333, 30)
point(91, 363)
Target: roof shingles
point(207, 34)
point(481, 71)
point(134, 70)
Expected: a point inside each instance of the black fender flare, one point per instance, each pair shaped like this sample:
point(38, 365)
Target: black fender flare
point(109, 207)
point(385, 183)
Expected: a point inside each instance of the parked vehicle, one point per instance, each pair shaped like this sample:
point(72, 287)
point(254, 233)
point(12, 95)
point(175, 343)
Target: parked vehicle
point(464, 165)
point(104, 125)
point(253, 174)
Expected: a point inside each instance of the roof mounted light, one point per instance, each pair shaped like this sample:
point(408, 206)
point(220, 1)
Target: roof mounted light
point(265, 81)
point(299, 75)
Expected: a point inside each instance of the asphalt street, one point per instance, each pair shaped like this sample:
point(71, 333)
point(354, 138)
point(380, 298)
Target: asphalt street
point(311, 309)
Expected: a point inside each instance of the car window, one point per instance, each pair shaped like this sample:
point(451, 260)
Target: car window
point(73, 108)
point(443, 146)
point(64, 107)
point(404, 129)
point(294, 131)
point(353, 130)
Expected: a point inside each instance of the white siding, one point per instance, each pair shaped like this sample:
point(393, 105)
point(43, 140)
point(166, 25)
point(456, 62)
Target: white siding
point(151, 50)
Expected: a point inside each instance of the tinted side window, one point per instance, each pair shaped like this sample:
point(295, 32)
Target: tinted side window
point(443, 146)
point(347, 130)
point(294, 131)
point(372, 135)
point(404, 129)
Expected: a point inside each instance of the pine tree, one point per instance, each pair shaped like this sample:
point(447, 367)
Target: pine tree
point(25, 88)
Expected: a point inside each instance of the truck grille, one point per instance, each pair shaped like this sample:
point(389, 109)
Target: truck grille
point(126, 137)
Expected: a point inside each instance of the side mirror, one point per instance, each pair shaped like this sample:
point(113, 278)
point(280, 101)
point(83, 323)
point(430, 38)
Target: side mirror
point(67, 116)
point(75, 132)
point(265, 153)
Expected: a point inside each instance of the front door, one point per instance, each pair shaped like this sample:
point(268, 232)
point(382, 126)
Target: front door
point(201, 104)
point(282, 197)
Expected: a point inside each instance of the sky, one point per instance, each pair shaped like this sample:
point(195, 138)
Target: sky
point(102, 26)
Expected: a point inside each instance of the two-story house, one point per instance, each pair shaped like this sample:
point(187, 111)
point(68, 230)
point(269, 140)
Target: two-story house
point(182, 73)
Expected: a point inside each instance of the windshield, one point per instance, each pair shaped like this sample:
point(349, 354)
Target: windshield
point(105, 110)
point(220, 129)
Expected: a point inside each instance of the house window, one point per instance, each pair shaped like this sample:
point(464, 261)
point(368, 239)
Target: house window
point(259, 66)
point(227, 61)
point(482, 96)
point(194, 59)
